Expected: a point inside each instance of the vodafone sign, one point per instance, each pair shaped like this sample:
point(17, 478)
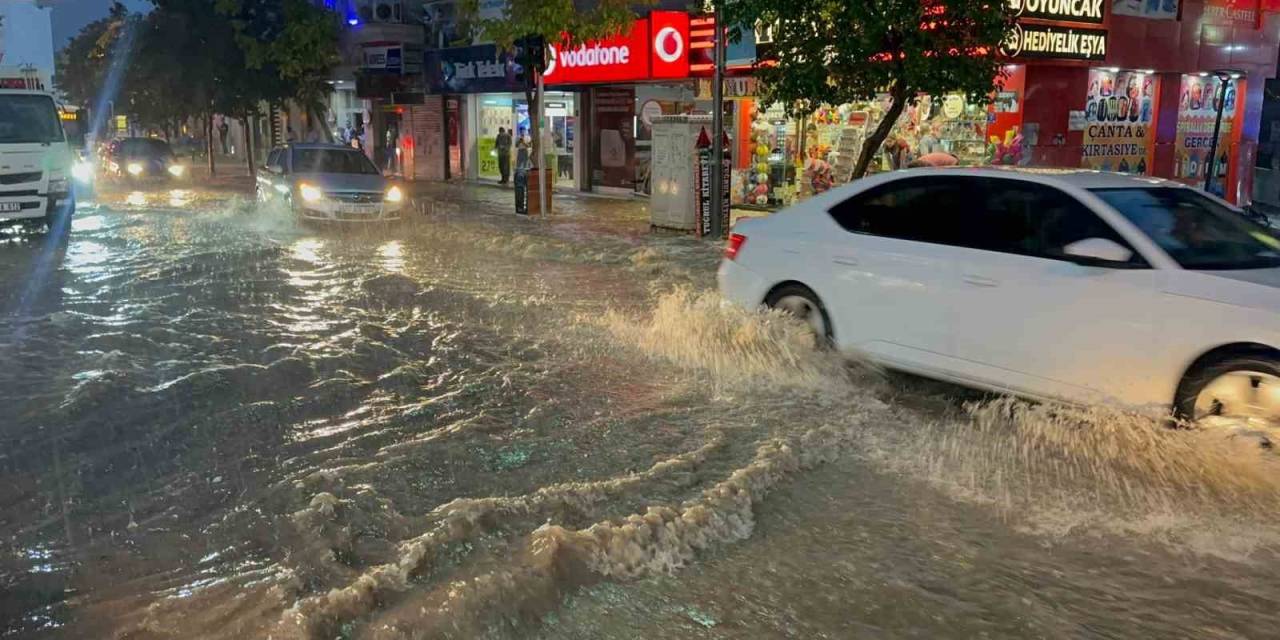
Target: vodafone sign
point(655, 47)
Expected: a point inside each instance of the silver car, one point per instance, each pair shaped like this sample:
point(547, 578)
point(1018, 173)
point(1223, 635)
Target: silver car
point(329, 182)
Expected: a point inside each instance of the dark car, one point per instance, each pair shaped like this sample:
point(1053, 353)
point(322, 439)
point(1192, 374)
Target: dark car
point(137, 158)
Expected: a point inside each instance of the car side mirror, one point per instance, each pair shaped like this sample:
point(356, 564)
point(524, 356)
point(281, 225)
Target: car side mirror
point(1097, 252)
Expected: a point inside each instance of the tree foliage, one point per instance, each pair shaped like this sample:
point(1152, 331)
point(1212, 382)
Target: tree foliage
point(837, 51)
point(189, 59)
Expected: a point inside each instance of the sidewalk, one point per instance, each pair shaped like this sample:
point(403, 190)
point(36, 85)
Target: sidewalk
point(590, 212)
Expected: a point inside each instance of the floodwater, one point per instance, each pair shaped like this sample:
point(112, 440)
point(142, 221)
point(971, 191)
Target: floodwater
point(218, 423)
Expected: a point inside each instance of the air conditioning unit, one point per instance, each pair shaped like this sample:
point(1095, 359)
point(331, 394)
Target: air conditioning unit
point(381, 10)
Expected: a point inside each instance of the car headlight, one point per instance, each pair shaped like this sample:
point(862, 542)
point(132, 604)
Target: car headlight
point(82, 171)
point(134, 168)
point(394, 194)
point(58, 185)
point(310, 193)
point(176, 170)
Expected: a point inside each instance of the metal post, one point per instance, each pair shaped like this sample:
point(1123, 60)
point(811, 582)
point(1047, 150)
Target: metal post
point(543, 196)
point(1217, 128)
point(717, 126)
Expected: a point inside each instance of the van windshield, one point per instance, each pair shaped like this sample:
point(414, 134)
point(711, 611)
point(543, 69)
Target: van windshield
point(26, 119)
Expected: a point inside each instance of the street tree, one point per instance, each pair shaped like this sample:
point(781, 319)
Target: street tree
point(838, 51)
point(82, 64)
point(290, 49)
point(525, 24)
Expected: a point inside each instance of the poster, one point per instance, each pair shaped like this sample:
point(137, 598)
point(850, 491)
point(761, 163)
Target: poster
point(1153, 9)
point(1119, 115)
point(614, 139)
point(494, 113)
point(1197, 114)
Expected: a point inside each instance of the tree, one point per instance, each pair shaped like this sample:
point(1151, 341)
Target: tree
point(838, 51)
point(562, 22)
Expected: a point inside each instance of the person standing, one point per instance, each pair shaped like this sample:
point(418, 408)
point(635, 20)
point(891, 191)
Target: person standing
point(223, 130)
point(502, 145)
point(550, 156)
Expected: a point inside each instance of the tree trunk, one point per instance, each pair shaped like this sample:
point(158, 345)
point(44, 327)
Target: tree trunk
point(247, 124)
point(208, 144)
point(871, 146)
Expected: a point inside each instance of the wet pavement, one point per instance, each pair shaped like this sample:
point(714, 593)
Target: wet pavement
point(219, 423)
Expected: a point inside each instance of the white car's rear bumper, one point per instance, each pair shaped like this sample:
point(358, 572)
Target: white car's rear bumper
point(741, 285)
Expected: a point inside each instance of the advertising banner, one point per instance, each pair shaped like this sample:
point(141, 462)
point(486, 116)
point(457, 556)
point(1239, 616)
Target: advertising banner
point(1048, 41)
point(1119, 119)
point(1197, 113)
point(1062, 10)
point(478, 69)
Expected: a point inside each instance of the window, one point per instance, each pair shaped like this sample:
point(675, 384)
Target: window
point(1197, 232)
point(1025, 218)
point(920, 209)
point(990, 214)
point(26, 119)
point(274, 161)
point(331, 161)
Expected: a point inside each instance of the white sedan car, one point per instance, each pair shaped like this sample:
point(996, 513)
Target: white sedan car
point(1056, 284)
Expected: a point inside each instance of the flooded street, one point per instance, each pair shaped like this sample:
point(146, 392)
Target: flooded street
point(218, 423)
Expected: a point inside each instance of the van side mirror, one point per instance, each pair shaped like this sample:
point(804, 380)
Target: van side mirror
point(1097, 252)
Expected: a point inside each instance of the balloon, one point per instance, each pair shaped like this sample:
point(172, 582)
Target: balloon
point(762, 150)
point(762, 167)
point(763, 177)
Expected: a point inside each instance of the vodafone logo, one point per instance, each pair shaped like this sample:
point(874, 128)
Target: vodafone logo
point(668, 45)
point(552, 54)
point(588, 55)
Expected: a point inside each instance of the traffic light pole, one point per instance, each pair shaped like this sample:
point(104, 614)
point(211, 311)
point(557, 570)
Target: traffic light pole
point(717, 128)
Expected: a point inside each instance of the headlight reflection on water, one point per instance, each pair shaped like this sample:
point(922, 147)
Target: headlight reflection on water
point(392, 254)
point(179, 197)
point(137, 199)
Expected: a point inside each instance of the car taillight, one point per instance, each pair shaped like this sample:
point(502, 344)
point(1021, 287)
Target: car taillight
point(731, 250)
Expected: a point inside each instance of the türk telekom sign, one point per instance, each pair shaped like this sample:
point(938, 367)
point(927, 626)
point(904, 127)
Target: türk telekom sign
point(655, 47)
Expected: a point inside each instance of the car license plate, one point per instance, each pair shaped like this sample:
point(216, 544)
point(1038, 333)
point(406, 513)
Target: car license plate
point(10, 207)
point(359, 209)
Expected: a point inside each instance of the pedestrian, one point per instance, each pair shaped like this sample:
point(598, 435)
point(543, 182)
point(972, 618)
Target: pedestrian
point(223, 130)
point(522, 176)
point(502, 145)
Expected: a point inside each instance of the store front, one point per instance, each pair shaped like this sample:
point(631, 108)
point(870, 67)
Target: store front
point(779, 159)
point(485, 94)
point(1145, 96)
point(493, 112)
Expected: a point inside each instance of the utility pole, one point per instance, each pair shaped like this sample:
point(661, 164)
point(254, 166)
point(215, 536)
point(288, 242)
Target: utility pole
point(1210, 168)
point(543, 196)
point(717, 127)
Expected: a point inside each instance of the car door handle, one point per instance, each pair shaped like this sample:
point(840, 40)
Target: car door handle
point(979, 281)
point(848, 261)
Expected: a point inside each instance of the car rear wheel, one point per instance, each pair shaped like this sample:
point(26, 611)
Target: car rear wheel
point(803, 303)
point(1241, 392)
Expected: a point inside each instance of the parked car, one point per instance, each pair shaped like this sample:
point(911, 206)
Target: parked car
point(1073, 285)
point(141, 158)
point(329, 182)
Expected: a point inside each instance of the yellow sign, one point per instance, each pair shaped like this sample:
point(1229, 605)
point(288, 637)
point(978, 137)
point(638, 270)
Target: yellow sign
point(122, 122)
point(67, 116)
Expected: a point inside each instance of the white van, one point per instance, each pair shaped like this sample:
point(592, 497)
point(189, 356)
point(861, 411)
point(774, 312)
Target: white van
point(35, 160)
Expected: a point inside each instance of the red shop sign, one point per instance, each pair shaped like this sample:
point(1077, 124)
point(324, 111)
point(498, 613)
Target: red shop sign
point(647, 51)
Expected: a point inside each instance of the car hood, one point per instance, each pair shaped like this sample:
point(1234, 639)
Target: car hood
point(343, 181)
point(1250, 288)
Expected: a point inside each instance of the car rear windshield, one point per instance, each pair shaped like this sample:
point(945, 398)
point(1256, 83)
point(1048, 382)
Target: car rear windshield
point(1196, 231)
point(331, 161)
point(26, 119)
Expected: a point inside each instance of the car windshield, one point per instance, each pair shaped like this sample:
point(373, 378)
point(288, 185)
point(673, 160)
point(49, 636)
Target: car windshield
point(145, 147)
point(331, 161)
point(1196, 231)
point(29, 119)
